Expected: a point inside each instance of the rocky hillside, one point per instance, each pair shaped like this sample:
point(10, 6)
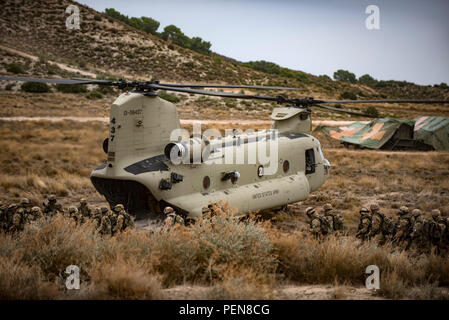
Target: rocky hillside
point(109, 48)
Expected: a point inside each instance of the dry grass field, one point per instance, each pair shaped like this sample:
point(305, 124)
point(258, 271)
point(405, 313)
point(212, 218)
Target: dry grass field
point(266, 257)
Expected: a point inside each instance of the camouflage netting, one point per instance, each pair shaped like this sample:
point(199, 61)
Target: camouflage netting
point(433, 131)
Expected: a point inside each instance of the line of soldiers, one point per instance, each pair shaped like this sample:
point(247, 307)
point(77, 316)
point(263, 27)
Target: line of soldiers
point(14, 217)
point(325, 223)
point(410, 230)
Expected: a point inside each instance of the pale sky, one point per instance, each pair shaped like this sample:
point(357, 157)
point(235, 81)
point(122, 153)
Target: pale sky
point(314, 36)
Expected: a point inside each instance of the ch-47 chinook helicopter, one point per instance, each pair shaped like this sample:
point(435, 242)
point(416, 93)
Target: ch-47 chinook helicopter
point(144, 171)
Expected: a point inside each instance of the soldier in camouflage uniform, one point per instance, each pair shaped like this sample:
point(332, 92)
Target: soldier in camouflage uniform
point(75, 214)
point(338, 222)
point(9, 213)
point(377, 219)
point(118, 226)
point(403, 226)
point(97, 217)
point(84, 210)
point(18, 220)
point(314, 222)
point(52, 207)
point(2, 216)
point(36, 214)
point(26, 206)
point(437, 231)
point(417, 236)
point(364, 225)
point(328, 225)
point(382, 227)
point(105, 225)
point(172, 217)
point(128, 220)
point(113, 218)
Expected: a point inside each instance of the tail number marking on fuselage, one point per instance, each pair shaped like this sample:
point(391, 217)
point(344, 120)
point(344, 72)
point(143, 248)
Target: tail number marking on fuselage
point(265, 194)
point(132, 112)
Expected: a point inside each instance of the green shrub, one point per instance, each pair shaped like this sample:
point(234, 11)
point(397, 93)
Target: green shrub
point(348, 95)
point(345, 76)
point(372, 111)
point(169, 97)
point(35, 87)
point(15, 68)
point(94, 95)
point(71, 88)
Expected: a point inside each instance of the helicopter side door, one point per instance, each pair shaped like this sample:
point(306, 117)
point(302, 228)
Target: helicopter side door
point(310, 161)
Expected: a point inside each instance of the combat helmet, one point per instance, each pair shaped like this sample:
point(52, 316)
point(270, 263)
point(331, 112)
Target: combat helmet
point(35, 209)
point(416, 213)
point(24, 201)
point(168, 210)
point(73, 209)
point(435, 213)
point(310, 211)
point(83, 201)
point(327, 207)
point(52, 198)
point(364, 211)
point(403, 210)
point(104, 210)
point(374, 207)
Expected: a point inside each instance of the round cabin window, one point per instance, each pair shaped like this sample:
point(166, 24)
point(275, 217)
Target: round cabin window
point(286, 166)
point(206, 182)
point(260, 171)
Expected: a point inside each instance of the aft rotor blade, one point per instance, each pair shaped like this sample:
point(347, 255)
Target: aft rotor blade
point(225, 86)
point(212, 93)
point(61, 81)
point(342, 110)
point(383, 101)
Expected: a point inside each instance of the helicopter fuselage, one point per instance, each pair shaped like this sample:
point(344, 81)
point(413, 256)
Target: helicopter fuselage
point(139, 175)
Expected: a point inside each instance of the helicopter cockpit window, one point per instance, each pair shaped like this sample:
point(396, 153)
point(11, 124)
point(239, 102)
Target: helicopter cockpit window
point(310, 161)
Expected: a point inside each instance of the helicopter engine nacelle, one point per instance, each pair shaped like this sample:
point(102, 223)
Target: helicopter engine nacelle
point(194, 150)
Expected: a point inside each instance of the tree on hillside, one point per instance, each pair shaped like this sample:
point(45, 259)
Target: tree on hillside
point(175, 34)
point(150, 25)
point(111, 12)
point(199, 45)
point(367, 79)
point(264, 66)
point(345, 76)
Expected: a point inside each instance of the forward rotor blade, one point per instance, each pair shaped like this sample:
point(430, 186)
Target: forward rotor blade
point(383, 101)
point(225, 86)
point(342, 110)
point(212, 93)
point(61, 81)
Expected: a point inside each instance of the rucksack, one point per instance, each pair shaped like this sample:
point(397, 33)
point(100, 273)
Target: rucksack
point(325, 225)
point(338, 222)
point(388, 226)
point(426, 225)
point(436, 231)
point(360, 224)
